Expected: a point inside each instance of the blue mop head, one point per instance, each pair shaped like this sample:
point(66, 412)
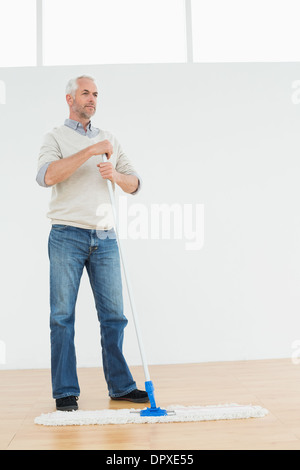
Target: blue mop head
point(154, 410)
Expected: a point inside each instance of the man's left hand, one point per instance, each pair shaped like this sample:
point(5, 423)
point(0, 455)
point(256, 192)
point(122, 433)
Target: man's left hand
point(108, 171)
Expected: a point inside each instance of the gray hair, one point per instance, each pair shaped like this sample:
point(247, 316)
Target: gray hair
point(72, 84)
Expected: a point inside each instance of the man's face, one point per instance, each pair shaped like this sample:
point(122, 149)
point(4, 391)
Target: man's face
point(84, 103)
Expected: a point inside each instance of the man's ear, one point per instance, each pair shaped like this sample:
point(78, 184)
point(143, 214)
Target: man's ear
point(69, 99)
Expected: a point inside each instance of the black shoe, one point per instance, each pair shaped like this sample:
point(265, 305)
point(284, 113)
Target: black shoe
point(137, 396)
point(67, 403)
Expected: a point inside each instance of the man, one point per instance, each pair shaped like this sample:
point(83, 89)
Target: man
point(82, 235)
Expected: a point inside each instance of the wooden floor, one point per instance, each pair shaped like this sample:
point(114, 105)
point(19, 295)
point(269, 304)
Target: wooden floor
point(273, 384)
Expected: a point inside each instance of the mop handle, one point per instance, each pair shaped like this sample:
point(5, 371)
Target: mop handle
point(129, 289)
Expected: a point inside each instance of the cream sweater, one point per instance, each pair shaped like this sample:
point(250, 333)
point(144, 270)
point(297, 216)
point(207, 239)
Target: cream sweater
point(82, 200)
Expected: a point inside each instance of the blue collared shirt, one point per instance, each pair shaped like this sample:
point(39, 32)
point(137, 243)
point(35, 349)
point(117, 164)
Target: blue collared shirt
point(78, 127)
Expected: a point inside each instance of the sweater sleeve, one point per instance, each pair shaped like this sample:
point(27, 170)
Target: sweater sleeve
point(49, 152)
point(40, 177)
point(124, 166)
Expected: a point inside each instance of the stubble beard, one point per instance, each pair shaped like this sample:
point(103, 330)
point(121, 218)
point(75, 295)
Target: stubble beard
point(82, 112)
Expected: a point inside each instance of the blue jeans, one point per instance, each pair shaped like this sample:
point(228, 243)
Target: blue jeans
point(70, 250)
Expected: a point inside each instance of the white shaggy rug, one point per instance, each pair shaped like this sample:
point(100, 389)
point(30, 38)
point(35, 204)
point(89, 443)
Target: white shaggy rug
point(131, 416)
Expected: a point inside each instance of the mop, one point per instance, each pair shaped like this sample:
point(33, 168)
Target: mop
point(152, 414)
point(153, 410)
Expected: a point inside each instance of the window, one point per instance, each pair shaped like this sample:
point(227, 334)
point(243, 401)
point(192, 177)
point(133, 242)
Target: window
point(17, 33)
point(246, 30)
point(113, 31)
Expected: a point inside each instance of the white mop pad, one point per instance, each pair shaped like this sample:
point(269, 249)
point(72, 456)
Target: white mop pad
point(131, 416)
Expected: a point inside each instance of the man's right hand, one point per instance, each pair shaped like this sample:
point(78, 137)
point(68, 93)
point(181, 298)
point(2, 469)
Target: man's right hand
point(103, 147)
point(59, 170)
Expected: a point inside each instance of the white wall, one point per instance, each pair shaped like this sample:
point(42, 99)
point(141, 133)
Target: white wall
point(222, 135)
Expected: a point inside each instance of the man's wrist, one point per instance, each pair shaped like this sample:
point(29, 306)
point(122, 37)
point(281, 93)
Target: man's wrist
point(91, 151)
point(117, 177)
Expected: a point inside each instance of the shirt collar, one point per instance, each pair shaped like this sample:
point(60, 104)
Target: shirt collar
point(76, 125)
